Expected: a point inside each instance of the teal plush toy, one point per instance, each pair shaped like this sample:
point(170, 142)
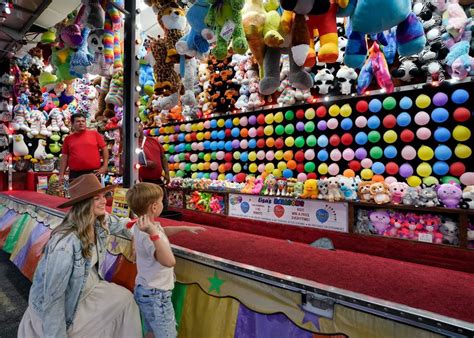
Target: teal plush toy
point(375, 16)
point(146, 79)
point(226, 19)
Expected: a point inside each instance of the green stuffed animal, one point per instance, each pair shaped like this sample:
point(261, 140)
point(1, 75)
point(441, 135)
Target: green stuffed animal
point(225, 18)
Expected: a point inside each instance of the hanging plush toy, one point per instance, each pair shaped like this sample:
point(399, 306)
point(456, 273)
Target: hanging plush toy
point(82, 59)
point(375, 66)
point(40, 152)
point(95, 43)
point(459, 63)
point(346, 78)
point(91, 14)
point(253, 22)
point(226, 18)
point(375, 16)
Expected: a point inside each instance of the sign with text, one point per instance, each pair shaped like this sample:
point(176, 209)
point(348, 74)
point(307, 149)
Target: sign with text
point(309, 213)
point(119, 204)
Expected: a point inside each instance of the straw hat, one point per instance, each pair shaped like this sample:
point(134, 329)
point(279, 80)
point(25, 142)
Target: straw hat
point(84, 187)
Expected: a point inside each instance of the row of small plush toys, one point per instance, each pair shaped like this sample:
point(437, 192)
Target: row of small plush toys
point(341, 188)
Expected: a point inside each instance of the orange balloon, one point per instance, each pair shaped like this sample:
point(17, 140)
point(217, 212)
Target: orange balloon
point(162, 130)
point(291, 165)
point(288, 155)
point(270, 142)
point(244, 132)
point(349, 173)
point(264, 175)
point(206, 165)
point(207, 135)
point(221, 168)
point(377, 178)
point(187, 138)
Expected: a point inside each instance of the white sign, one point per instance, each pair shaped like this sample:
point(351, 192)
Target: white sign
point(301, 212)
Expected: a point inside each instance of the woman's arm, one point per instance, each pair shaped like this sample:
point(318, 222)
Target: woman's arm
point(173, 230)
point(117, 226)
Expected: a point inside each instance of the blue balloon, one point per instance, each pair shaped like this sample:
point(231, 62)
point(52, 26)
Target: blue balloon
point(460, 96)
point(439, 115)
point(361, 138)
point(390, 152)
point(220, 145)
point(440, 168)
point(373, 122)
point(221, 135)
point(287, 173)
point(375, 105)
point(200, 175)
point(323, 155)
point(403, 119)
point(213, 146)
point(378, 168)
point(213, 124)
point(229, 177)
point(252, 144)
point(207, 144)
point(346, 124)
point(235, 132)
point(214, 134)
point(181, 137)
point(244, 156)
point(443, 152)
point(228, 146)
point(442, 134)
point(323, 141)
point(228, 123)
point(406, 103)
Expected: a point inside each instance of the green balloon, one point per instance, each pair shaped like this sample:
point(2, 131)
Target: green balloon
point(213, 156)
point(289, 115)
point(279, 130)
point(374, 136)
point(188, 147)
point(299, 142)
point(309, 167)
point(206, 175)
point(290, 129)
point(167, 156)
point(309, 127)
point(187, 167)
point(201, 155)
point(171, 149)
point(389, 103)
point(182, 156)
point(194, 167)
point(311, 141)
point(448, 179)
point(180, 173)
point(376, 153)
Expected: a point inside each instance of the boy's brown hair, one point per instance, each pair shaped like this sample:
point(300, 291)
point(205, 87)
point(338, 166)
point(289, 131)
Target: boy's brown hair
point(142, 195)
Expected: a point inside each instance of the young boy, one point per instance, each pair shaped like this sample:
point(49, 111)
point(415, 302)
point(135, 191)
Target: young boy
point(155, 260)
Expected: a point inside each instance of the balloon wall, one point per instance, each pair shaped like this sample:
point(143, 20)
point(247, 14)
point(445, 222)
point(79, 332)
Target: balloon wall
point(410, 135)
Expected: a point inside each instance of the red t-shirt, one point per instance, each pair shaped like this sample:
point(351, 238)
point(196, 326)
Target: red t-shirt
point(83, 150)
point(153, 152)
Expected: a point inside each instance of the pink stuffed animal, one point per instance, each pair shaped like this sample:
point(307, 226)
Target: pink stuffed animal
point(397, 190)
point(258, 186)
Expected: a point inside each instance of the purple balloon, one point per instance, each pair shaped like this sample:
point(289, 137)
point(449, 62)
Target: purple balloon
point(300, 126)
point(176, 128)
point(360, 153)
point(322, 125)
point(406, 170)
point(171, 159)
point(235, 144)
point(213, 175)
point(252, 120)
point(440, 99)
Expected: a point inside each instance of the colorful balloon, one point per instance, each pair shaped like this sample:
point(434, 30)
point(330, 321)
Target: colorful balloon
point(439, 115)
point(425, 153)
point(311, 141)
point(366, 174)
point(278, 118)
point(334, 110)
point(346, 110)
point(309, 114)
point(373, 122)
point(440, 99)
point(463, 151)
point(403, 119)
point(460, 96)
point(406, 103)
point(443, 152)
point(299, 142)
point(389, 103)
point(406, 170)
point(424, 169)
point(302, 177)
point(309, 167)
point(323, 168)
point(422, 118)
point(461, 114)
point(378, 168)
point(423, 101)
point(323, 155)
point(414, 181)
point(375, 105)
point(390, 136)
point(361, 121)
point(442, 134)
point(333, 169)
point(374, 136)
point(376, 153)
point(423, 133)
point(289, 115)
point(461, 133)
point(440, 168)
point(362, 106)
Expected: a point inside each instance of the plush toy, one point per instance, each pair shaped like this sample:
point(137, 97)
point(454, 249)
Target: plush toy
point(253, 23)
point(310, 189)
point(115, 95)
point(19, 145)
point(459, 63)
point(38, 121)
point(61, 59)
point(298, 189)
point(324, 81)
point(409, 31)
point(249, 185)
point(95, 43)
point(70, 35)
point(21, 113)
point(455, 20)
point(323, 189)
point(380, 221)
point(364, 191)
point(226, 19)
point(407, 70)
point(55, 146)
point(468, 197)
point(376, 65)
point(57, 121)
point(348, 188)
point(396, 222)
point(258, 186)
point(450, 232)
point(449, 194)
point(380, 192)
point(432, 64)
point(281, 187)
point(47, 81)
point(82, 59)
point(189, 99)
point(411, 196)
point(290, 186)
point(334, 194)
point(40, 152)
point(270, 185)
point(397, 191)
point(427, 197)
point(345, 79)
point(91, 14)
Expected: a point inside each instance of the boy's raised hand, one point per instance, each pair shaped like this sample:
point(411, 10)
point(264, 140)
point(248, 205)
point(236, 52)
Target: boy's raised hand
point(196, 230)
point(146, 224)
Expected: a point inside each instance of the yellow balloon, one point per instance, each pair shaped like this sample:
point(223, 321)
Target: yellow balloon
point(269, 118)
point(279, 155)
point(201, 126)
point(366, 174)
point(207, 157)
point(346, 110)
point(172, 173)
point(309, 114)
point(269, 167)
point(423, 101)
point(183, 127)
point(334, 110)
point(166, 147)
point(236, 121)
point(221, 123)
point(166, 138)
point(199, 136)
point(194, 175)
point(289, 141)
point(424, 169)
point(461, 133)
point(194, 167)
point(200, 166)
point(323, 168)
point(194, 127)
point(414, 181)
point(425, 153)
point(252, 156)
point(253, 167)
point(268, 130)
point(463, 151)
point(390, 136)
point(430, 180)
point(276, 173)
point(279, 117)
point(221, 177)
point(281, 166)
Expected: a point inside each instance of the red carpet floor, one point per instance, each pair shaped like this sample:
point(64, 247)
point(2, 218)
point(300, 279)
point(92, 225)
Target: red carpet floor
point(446, 292)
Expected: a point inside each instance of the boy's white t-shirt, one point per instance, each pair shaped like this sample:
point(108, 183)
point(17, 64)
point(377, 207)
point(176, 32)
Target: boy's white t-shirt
point(151, 274)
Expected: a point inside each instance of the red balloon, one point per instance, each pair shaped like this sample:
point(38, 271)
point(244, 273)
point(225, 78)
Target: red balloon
point(334, 140)
point(299, 156)
point(261, 119)
point(227, 133)
point(462, 114)
point(279, 143)
point(228, 157)
point(321, 111)
point(347, 139)
point(260, 131)
point(240, 177)
point(187, 156)
point(457, 169)
point(389, 121)
point(300, 168)
point(193, 136)
point(261, 143)
point(391, 168)
point(407, 136)
point(300, 114)
point(355, 165)
point(362, 106)
point(312, 176)
point(227, 166)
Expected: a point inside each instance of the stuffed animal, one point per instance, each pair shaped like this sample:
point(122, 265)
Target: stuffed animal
point(91, 14)
point(258, 186)
point(190, 70)
point(324, 81)
point(82, 59)
point(253, 22)
point(449, 194)
point(409, 32)
point(290, 186)
point(310, 189)
point(459, 63)
point(376, 65)
point(427, 197)
point(298, 189)
point(57, 121)
point(226, 19)
point(334, 194)
point(270, 185)
point(40, 152)
point(364, 191)
point(396, 222)
point(380, 221)
point(397, 191)
point(408, 69)
point(38, 121)
point(19, 145)
point(281, 187)
point(468, 197)
point(380, 192)
point(21, 113)
point(345, 79)
point(95, 44)
point(450, 232)
point(115, 95)
point(411, 196)
point(347, 188)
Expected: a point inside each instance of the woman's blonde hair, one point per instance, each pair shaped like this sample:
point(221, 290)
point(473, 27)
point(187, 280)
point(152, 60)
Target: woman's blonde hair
point(142, 195)
point(81, 220)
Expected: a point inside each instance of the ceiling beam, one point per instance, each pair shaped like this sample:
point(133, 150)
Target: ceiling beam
point(23, 9)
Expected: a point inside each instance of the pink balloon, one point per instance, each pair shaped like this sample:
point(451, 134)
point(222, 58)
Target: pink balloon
point(390, 179)
point(244, 121)
point(467, 178)
point(161, 139)
point(309, 154)
point(332, 123)
point(270, 155)
point(207, 124)
point(361, 122)
point(366, 163)
point(302, 177)
point(182, 166)
point(214, 166)
point(348, 154)
point(252, 132)
point(422, 118)
point(188, 127)
point(261, 168)
point(333, 169)
point(335, 155)
point(200, 146)
point(193, 158)
point(220, 155)
point(194, 146)
point(423, 133)
point(261, 155)
point(408, 153)
point(244, 144)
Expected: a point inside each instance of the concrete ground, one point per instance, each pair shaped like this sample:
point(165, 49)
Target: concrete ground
point(14, 290)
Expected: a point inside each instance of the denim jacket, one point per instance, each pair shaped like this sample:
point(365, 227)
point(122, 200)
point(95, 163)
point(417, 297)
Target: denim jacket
point(61, 276)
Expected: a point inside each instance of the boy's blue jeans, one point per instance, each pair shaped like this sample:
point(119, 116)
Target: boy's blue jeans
point(157, 310)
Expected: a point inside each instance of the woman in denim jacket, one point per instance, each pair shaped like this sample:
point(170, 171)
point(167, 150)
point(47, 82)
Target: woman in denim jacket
point(69, 297)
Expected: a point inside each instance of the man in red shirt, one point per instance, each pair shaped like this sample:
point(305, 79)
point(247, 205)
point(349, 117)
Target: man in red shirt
point(82, 151)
